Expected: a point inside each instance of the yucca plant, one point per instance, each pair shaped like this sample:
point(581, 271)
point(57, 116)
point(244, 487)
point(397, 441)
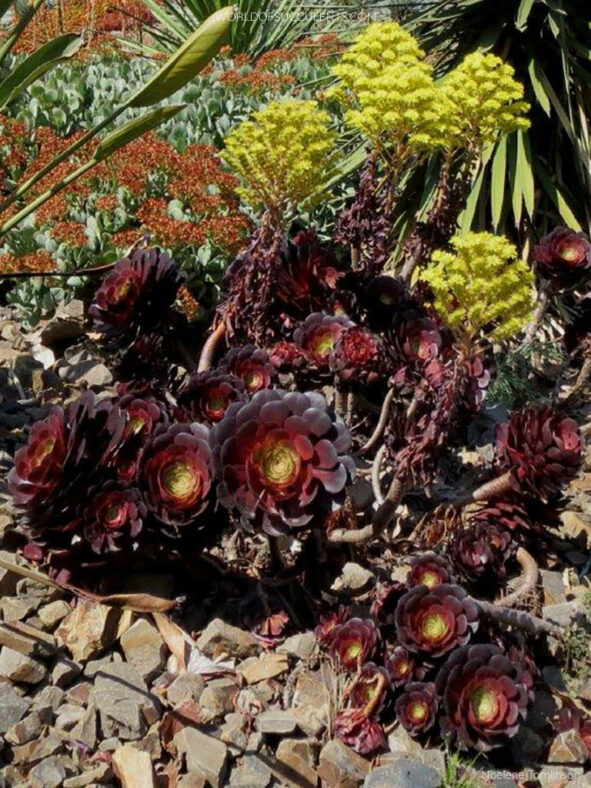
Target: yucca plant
point(22, 199)
point(542, 176)
point(261, 25)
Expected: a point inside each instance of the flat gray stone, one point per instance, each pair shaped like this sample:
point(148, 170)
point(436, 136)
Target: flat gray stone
point(204, 755)
point(251, 771)
point(221, 639)
point(144, 647)
point(49, 773)
point(403, 773)
point(340, 765)
point(125, 706)
point(13, 707)
point(299, 646)
point(276, 721)
point(20, 668)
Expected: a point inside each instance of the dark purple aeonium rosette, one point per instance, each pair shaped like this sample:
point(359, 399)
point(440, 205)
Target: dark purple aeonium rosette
point(174, 474)
point(485, 696)
point(319, 334)
point(359, 731)
point(433, 621)
point(429, 569)
point(563, 256)
point(64, 455)
point(137, 295)
point(482, 551)
point(541, 448)
point(357, 357)
point(113, 517)
point(206, 396)
point(401, 666)
point(281, 460)
point(354, 642)
point(251, 365)
point(416, 708)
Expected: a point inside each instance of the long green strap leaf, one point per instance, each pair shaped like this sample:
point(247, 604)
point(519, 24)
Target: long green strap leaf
point(19, 28)
point(525, 176)
point(134, 129)
point(32, 67)
point(557, 198)
point(523, 13)
point(535, 75)
point(187, 61)
point(498, 182)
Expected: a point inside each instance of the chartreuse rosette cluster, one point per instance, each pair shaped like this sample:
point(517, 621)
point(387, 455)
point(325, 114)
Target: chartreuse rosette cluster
point(395, 100)
point(283, 155)
point(481, 288)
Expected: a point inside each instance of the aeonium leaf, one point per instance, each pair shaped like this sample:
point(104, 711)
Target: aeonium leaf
point(188, 60)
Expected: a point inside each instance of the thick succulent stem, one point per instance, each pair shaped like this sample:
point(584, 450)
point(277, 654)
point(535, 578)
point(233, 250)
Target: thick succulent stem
point(210, 347)
point(375, 474)
point(528, 582)
point(581, 380)
point(384, 515)
point(381, 520)
point(493, 489)
point(537, 317)
point(381, 425)
point(519, 619)
point(372, 704)
point(340, 403)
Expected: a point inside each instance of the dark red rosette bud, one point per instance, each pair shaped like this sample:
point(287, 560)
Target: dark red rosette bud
point(482, 551)
point(281, 460)
point(505, 513)
point(357, 357)
point(429, 569)
point(144, 413)
point(327, 624)
point(38, 465)
point(416, 336)
point(251, 365)
point(137, 295)
point(416, 708)
point(206, 396)
point(113, 518)
point(307, 276)
point(485, 697)
point(318, 336)
point(174, 475)
point(384, 601)
point(383, 297)
point(541, 448)
point(354, 642)
point(362, 733)
point(571, 718)
point(563, 256)
point(286, 357)
point(63, 456)
point(401, 666)
point(369, 687)
point(435, 621)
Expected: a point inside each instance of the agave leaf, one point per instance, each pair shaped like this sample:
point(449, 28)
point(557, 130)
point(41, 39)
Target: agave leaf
point(187, 61)
point(36, 64)
point(133, 129)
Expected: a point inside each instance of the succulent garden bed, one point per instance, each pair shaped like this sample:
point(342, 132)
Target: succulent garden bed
point(331, 526)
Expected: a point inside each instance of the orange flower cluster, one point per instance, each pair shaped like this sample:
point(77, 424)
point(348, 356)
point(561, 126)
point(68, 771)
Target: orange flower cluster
point(255, 81)
point(39, 261)
point(188, 305)
point(98, 18)
point(107, 204)
point(71, 233)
